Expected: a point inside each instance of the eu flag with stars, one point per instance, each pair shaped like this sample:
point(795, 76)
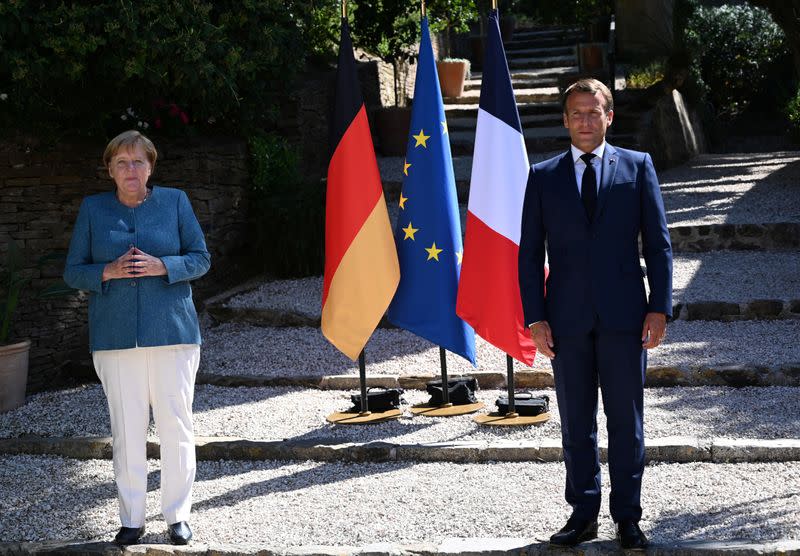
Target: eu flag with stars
point(428, 233)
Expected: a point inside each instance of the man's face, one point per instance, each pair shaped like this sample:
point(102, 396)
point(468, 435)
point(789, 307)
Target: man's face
point(587, 120)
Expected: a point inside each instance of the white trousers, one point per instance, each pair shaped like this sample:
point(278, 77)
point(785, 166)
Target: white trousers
point(133, 381)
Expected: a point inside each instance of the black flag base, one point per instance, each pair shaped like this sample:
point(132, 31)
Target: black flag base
point(511, 418)
point(365, 418)
point(445, 410)
point(441, 405)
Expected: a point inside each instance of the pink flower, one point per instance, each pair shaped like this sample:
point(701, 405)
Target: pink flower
point(157, 123)
point(184, 118)
point(173, 109)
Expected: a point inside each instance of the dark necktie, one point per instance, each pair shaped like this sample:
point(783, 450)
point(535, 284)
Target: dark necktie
point(589, 186)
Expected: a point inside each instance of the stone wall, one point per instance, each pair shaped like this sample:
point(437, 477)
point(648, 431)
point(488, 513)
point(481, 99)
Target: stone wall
point(40, 192)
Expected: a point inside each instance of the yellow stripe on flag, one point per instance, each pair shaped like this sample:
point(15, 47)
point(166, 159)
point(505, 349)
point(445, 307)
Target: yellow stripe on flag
point(363, 286)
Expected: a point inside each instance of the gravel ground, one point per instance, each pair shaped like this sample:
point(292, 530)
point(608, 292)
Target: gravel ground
point(272, 414)
point(283, 504)
point(734, 276)
point(752, 188)
point(713, 343)
point(241, 349)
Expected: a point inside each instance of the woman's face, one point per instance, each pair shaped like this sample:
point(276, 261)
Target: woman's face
point(130, 170)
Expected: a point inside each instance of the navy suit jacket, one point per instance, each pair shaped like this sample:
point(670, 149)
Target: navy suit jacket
point(595, 277)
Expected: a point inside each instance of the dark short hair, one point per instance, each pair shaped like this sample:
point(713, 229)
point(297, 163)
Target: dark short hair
point(130, 140)
point(588, 85)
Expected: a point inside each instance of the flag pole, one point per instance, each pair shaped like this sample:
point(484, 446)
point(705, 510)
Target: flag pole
point(344, 9)
point(510, 380)
point(445, 386)
point(362, 378)
point(422, 8)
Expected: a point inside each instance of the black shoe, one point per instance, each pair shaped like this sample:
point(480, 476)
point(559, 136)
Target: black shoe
point(179, 533)
point(129, 535)
point(630, 536)
point(576, 531)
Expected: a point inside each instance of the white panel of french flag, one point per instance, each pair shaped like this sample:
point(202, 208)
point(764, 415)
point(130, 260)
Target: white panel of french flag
point(488, 293)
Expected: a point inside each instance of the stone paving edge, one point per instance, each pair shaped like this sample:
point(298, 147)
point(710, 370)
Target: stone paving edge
point(674, 449)
point(737, 376)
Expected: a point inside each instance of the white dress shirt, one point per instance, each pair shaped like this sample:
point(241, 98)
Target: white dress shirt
point(580, 165)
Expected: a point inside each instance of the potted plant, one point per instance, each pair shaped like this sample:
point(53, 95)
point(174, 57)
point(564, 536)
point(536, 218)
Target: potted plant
point(388, 29)
point(450, 17)
point(14, 354)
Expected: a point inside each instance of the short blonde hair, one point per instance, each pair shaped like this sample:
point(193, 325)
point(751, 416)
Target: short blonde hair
point(130, 140)
point(588, 85)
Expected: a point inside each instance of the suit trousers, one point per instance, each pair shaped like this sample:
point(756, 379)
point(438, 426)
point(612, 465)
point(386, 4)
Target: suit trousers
point(617, 362)
point(134, 380)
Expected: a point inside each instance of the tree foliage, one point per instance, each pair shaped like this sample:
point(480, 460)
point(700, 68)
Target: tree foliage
point(79, 66)
point(737, 50)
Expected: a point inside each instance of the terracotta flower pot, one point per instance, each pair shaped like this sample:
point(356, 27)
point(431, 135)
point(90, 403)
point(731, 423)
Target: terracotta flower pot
point(452, 74)
point(13, 375)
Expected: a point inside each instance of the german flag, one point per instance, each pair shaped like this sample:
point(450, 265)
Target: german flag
point(361, 268)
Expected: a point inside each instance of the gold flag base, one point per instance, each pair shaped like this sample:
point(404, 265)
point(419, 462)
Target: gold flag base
point(447, 410)
point(368, 418)
point(511, 419)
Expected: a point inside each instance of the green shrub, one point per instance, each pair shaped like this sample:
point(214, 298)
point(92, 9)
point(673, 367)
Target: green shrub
point(736, 49)
point(793, 114)
point(644, 75)
point(287, 214)
point(92, 68)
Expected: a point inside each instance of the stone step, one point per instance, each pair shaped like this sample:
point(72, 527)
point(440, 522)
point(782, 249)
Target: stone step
point(531, 121)
point(545, 42)
point(759, 353)
point(341, 508)
point(530, 74)
point(541, 94)
point(461, 110)
point(542, 52)
point(291, 424)
point(545, 32)
point(658, 450)
point(530, 62)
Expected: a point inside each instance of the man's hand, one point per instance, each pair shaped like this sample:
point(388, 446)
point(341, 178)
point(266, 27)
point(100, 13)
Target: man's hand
point(654, 330)
point(543, 338)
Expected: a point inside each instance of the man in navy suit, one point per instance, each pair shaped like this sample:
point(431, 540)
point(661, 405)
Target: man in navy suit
point(588, 208)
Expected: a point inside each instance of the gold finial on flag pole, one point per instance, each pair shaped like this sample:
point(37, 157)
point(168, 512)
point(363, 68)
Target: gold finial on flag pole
point(344, 9)
point(494, 4)
point(422, 7)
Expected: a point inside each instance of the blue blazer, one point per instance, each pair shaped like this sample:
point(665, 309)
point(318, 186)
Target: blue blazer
point(147, 311)
point(594, 269)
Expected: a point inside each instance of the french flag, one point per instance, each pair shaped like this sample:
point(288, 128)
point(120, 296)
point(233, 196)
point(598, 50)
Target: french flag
point(488, 291)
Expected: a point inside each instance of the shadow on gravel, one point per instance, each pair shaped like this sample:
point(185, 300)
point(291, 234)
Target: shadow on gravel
point(320, 474)
point(752, 412)
point(692, 192)
point(761, 520)
point(367, 433)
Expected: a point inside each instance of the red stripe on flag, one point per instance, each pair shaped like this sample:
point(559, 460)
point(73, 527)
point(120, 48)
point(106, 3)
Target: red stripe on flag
point(354, 186)
point(488, 291)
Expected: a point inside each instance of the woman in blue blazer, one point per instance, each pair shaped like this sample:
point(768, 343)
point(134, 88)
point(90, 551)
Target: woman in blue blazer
point(134, 250)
